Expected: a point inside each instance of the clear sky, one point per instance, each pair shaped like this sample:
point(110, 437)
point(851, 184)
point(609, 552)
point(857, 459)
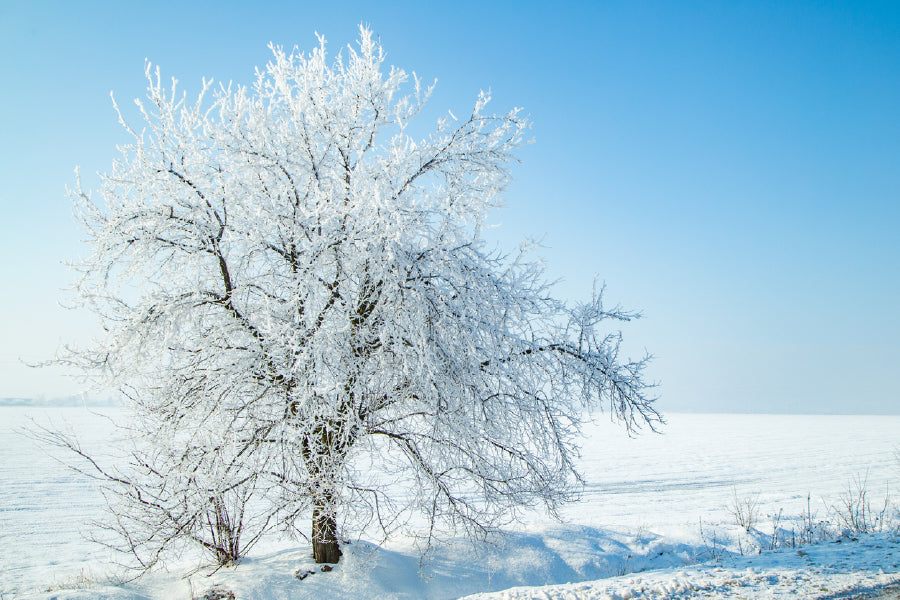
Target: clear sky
point(730, 169)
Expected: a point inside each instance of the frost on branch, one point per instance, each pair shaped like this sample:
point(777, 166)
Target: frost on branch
point(297, 292)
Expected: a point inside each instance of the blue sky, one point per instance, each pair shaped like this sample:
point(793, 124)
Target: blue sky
point(730, 169)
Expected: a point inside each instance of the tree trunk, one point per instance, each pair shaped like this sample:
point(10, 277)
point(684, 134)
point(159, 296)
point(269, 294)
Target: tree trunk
point(324, 454)
point(324, 536)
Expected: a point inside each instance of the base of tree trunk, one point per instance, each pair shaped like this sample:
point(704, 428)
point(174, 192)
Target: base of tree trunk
point(324, 539)
point(326, 552)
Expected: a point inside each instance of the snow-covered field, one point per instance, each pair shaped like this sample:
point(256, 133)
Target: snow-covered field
point(655, 520)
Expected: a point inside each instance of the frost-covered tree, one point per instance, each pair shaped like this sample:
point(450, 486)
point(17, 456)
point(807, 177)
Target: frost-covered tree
point(287, 277)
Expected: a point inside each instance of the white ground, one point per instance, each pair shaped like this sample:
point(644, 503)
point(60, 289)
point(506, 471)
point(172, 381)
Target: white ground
point(654, 522)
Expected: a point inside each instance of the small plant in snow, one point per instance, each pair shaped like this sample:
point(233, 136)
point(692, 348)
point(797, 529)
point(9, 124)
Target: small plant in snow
point(715, 546)
point(83, 581)
point(776, 539)
point(745, 510)
point(812, 530)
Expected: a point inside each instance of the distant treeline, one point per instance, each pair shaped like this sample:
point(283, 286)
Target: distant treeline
point(63, 401)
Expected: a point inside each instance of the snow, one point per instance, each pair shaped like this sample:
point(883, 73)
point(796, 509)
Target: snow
point(654, 522)
point(841, 567)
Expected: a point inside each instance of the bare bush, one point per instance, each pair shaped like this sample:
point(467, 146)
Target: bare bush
point(745, 510)
point(812, 529)
point(164, 494)
point(856, 512)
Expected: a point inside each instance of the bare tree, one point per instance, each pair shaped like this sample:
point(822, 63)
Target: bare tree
point(284, 267)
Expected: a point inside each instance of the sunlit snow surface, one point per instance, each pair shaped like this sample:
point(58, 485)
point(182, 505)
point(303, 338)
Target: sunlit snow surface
point(650, 502)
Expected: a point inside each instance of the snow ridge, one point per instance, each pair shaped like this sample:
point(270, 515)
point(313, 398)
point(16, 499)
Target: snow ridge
point(846, 566)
